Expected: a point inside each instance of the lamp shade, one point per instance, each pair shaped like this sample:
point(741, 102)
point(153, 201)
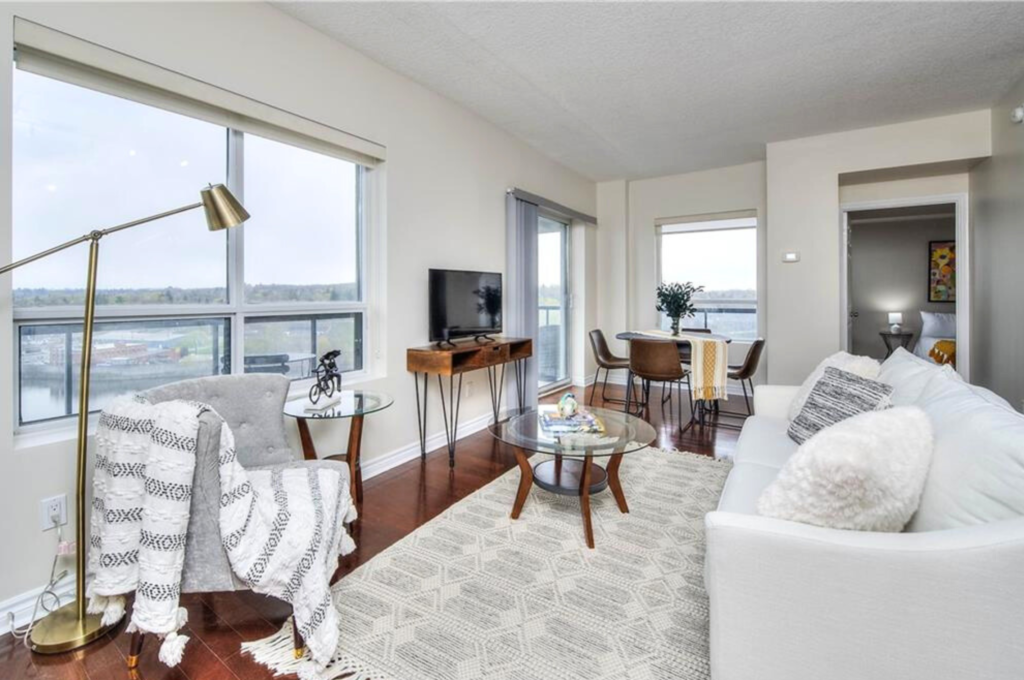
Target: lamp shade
point(222, 209)
point(895, 317)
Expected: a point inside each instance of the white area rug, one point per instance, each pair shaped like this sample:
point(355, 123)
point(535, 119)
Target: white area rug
point(474, 594)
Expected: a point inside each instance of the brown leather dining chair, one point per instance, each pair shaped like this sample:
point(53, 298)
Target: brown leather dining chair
point(744, 373)
point(609, 362)
point(655, 361)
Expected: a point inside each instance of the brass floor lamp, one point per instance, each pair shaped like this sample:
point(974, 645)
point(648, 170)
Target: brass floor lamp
point(70, 627)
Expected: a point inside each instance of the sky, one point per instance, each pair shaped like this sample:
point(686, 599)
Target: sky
point(723, 259)
point(85, 160)
point(550, 255)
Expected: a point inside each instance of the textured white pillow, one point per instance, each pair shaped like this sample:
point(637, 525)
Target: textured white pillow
point(938, 325)
point(865, 473)
point(865, 367)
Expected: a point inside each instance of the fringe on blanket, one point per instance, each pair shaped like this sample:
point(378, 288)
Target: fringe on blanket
point(276, 652)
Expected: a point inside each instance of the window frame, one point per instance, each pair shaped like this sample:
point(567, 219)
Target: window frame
point(237, 311)
point(703, 224)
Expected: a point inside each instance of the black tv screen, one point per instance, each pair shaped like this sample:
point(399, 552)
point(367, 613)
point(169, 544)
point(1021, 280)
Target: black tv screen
point(464, 304)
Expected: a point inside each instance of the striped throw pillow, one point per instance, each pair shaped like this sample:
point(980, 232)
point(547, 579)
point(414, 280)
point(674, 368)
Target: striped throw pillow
point(836, 396)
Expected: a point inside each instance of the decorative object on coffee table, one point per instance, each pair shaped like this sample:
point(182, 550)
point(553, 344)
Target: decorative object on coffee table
point(675, 300)
point(572, 472)
point(352, 404)
point(327, 376)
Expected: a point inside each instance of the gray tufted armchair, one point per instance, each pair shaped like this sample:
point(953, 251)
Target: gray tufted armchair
point(251, 405)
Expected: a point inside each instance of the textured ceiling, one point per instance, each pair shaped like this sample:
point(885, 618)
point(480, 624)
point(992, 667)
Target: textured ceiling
point(628, 90)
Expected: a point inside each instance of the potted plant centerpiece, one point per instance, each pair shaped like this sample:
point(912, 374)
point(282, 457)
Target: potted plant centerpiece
point(676, 301)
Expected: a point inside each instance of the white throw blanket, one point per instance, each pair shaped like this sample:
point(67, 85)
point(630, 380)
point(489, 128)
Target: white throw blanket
point(282, 530)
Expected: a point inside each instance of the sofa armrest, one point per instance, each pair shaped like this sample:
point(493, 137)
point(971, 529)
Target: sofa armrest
point(774, 400)
point(795, 601)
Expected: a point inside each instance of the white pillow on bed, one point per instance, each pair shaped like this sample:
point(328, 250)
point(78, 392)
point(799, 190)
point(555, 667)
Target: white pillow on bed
point(938, 325)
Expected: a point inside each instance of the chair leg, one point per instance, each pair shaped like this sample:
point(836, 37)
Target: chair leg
point(135, 649)
point(629, 390)
point(743, 384)
point(299, 645)
point(597, 376)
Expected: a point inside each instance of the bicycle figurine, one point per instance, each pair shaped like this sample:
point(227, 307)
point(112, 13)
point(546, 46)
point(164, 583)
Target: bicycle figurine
point(328, 377)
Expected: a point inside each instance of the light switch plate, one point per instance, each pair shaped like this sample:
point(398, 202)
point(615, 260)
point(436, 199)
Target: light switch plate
point(791, 256)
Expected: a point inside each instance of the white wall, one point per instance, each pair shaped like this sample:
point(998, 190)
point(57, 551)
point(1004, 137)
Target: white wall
point(997, 207)
point(804, 316)
point(915, 187)
point(447, 172)
point(627, 250)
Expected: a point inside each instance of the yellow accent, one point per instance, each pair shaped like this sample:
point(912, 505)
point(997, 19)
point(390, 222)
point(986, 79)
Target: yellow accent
point(944, 352)
point(133, 662)
point(300, 652)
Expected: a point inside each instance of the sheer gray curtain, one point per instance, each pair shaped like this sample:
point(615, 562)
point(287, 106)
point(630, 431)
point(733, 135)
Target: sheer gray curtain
point(521, 287)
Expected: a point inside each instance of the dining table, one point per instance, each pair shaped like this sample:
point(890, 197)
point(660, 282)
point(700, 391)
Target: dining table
point(702, 406)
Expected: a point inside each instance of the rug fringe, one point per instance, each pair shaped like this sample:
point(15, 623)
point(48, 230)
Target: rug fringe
point(276, 652)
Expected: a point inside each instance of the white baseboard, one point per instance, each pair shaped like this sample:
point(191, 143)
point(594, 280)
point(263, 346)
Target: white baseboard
point(21, 605)
point(404, 454)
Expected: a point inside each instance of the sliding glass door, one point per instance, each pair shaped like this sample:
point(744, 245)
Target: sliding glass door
point(552, 303)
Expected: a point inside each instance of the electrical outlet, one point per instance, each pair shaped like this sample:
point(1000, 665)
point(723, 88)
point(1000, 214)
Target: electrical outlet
point(54, 506)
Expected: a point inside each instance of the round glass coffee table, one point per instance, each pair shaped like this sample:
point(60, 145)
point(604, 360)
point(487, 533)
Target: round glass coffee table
point(572, 470)
point(352, 404)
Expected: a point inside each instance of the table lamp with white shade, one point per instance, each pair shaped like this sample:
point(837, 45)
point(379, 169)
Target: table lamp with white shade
point(70, 626)
point(895, 321)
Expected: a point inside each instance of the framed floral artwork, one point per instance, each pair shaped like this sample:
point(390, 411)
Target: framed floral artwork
point(942, 271)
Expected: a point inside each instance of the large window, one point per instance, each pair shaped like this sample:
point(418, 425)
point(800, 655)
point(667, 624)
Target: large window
point(721, 255)
point(174, 301)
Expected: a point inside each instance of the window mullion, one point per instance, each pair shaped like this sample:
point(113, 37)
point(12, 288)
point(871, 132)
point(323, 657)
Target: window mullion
point(236, 251)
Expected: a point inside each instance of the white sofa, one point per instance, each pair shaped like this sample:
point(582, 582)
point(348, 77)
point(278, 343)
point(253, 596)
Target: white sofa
point(796, 602)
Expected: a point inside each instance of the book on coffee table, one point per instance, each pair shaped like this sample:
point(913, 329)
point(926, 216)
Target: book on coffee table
point(582, 422)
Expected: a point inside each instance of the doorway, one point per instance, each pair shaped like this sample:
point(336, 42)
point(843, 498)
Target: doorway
point(905, 280)
point(552, 303)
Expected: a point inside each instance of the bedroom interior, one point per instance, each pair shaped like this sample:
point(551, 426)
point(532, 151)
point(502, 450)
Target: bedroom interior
point(367, 434)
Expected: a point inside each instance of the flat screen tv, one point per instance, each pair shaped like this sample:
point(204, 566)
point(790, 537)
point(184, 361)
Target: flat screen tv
point(464, 304)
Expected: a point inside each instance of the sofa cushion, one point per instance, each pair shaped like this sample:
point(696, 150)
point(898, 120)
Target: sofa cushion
point(977, 471)
point(865, 367)
point(863, 474)
point(908, 375)
point(744, 486)
point(838, 395)
point(764, 441)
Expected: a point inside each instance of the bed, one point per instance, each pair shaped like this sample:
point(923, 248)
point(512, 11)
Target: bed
point(937, 342)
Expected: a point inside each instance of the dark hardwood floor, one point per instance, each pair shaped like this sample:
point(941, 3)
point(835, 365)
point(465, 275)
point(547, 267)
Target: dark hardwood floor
point(395, 503)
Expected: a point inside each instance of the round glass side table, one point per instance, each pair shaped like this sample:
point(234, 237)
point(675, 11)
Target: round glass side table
point(354, 404)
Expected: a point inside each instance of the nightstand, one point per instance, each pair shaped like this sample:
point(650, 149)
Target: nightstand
point(894, 340)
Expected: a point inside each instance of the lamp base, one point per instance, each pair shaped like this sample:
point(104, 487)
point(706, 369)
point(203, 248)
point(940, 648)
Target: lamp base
point(61, 630)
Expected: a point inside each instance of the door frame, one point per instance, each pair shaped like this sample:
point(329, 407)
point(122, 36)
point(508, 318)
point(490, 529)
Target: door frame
point(963, 264)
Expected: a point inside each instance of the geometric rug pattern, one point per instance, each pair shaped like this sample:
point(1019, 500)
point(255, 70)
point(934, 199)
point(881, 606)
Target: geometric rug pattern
point(475, 594)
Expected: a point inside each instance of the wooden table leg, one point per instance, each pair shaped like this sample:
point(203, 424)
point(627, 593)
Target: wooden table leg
point(308, 450)
point(585, 502)
point(355, 467)
point(613, 481)
point(525, 481)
